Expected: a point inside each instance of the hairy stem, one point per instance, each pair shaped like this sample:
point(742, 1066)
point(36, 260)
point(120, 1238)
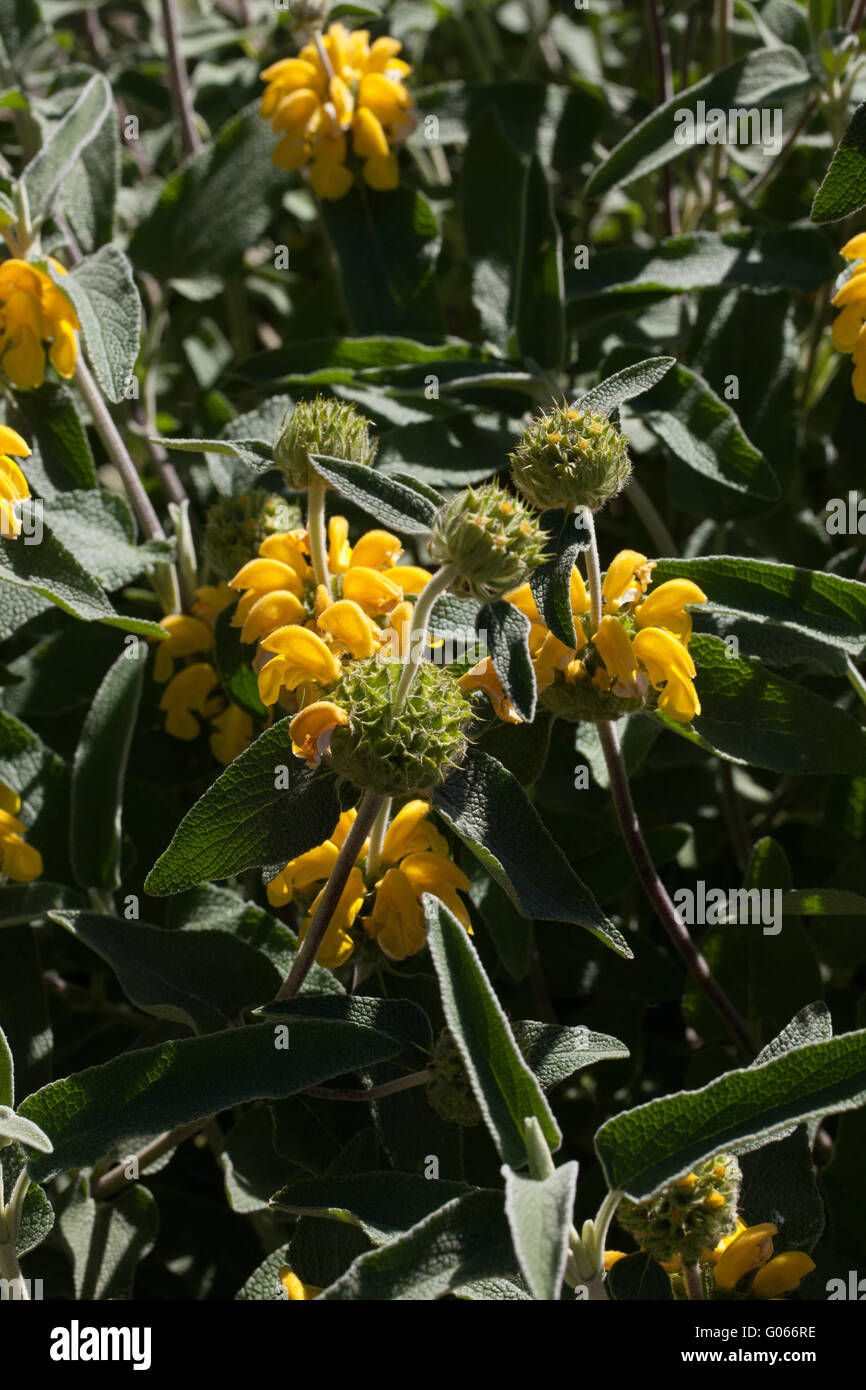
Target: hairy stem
point(435, 586)
point(693, 1282)
point(377, 839)
point(317, 531)
point(351, 848)
point(664, 88)
point(657, 893)
point(388, 1088)
point(116, 1178)
point(184, 110)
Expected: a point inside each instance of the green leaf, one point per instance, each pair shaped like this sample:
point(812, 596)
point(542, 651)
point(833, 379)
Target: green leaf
point(555, 1052)
point(779, 1185)
point(399, 1018)
point(50, 417)
point(256, 454)
point(387, 245)
point(825, 607)
point(23, 1131)
point(24, 1008)
point(244, 821)
point(763, 78)
point(99, 773)
point(624, 385)
point(89, 195)
point(106, 301)
point(522, 750)
point(99, 530)
point(37, 1216)
point(209, 908)
point(7, 1073)
point(202, 979)
point(44, 176)
point(648, 1147)
point(263, 1285)
point(492, 815)
point(843, 189)
point(823, 902)
point(466, 1240)
point(507, 639)
point(52, 571)
point(383, 1205)
point(19, 21)
point(539, 313)
point(392, 503)
point(233, 660)
point(801, 259)
point(749, 715)
point(106, 1241)
point(506, 1090)
point(551, 582)
point(540, 1214)
point(703, 432)
point(493, 192)
point(213, 208)
point(148, 1090)
point(639, 1277)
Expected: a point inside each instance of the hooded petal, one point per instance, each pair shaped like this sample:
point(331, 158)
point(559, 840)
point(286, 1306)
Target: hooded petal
point(665, 607)
point(750, 1250)
point(615, 647)
point(311, 730)
point(306, 655)
point(370, 589)
point(396, 921)
point(349, 625)
point(626, 579)
point(279, 608)
point(265, 574)
point(376, 550)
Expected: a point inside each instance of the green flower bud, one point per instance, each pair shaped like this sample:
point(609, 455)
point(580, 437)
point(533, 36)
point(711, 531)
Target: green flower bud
point(570, 458)
point(449, 1090)
point(690, 1216)
point(236, 526)
point(322, 426)
point(575, 701)
point(306, 14)
point(397, 754)
point(492, 537)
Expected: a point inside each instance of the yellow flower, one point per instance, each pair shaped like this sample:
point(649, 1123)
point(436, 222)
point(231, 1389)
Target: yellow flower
point(666, 607)
point(782, 1274)
point(483, 676)
point(750, 1249)
point(670, 670)
point(33, 313)
point(311, 730)
point(314, 110)
point(187, 694)
point(186, 637)
point(233, 733)
point(848, 335)
point(18, 860)
point(617, 652)
point(295, 1290)
point(279, 598)
point(627, 578)
point(13, 484)
point(210, 600)
point(414, 861)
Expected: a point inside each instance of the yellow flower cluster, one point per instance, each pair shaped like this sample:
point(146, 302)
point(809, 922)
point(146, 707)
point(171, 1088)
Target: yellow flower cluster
point(340, 85)
point(848, 335)
point(193, 693)
point(18, 860)
point(414, 860)
point(747, 1250)
point(33, 312)
point(305, 632)
point(642, 639)
point(13, 484)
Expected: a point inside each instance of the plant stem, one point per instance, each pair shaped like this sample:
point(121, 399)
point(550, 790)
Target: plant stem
point(856, 679)
point(693, 1282)
point(119, 455)
point(10, 1271)
point(658, 894)
point(435, 586)
point(377, 840)
point(664, 87)
point(351, 848)
point(738, 829)
point(184, 110)
point(593, 570)
point(317, 532)
point(388, 1088)
point(116, 1179)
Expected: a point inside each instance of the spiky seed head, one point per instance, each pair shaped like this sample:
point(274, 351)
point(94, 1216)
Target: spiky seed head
point(236, 526)
point(492, 537)
point(323, 426)
point(398, 754)
point(691, 1215)
point(568, 457)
